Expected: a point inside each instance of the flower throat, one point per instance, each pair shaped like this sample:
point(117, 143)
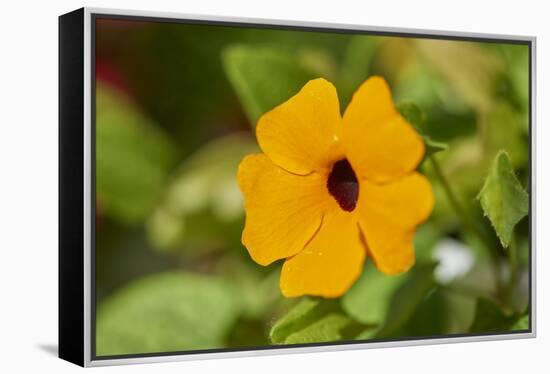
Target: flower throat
point(343, 186)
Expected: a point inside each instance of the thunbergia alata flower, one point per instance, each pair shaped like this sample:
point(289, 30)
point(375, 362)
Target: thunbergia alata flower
point(329, 190)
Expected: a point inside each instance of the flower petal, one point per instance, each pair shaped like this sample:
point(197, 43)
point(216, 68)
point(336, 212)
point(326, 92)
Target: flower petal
point(283, 210)
point(300, 134)
point(330, 263)
point(388, 215)
point(380, 144)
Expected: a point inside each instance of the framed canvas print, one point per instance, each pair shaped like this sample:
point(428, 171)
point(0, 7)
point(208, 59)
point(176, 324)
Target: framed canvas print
point(240, 186)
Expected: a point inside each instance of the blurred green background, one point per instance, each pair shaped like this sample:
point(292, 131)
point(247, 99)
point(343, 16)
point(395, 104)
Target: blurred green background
point(176, 107)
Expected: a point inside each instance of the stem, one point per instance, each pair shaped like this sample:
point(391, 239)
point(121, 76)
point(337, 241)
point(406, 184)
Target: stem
point(471, 226)
point(459, 209)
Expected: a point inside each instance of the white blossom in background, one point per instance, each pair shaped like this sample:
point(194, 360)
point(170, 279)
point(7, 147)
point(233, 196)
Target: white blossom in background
point(454, 258)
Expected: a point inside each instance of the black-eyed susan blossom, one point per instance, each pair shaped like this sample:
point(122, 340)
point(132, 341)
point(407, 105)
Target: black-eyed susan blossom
point(329, 190)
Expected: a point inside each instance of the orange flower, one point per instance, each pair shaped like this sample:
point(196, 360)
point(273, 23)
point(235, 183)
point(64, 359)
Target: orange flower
point(330, 189)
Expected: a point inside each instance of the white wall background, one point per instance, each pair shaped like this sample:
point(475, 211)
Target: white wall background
point(28, 183)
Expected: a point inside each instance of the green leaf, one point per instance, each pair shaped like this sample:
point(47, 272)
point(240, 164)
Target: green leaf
point(295, 319)
point(503, 199)
point(133, 158)
point(166, 312)
point(407, 298)
point(264, 77)
point(449, 313)
point(459, 312)
point(211, 216)
point(326, 329)
point(428, 316)
point(311, 321)
point(387, 303)
point(368, 301)
point(417, 118)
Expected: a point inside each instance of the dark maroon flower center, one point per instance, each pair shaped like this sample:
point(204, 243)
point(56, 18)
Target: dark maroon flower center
point(343, 186)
